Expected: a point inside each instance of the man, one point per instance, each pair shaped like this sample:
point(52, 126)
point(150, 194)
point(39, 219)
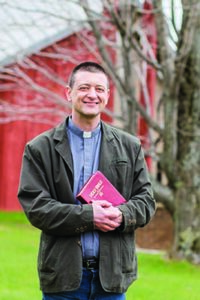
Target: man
point(86, 251)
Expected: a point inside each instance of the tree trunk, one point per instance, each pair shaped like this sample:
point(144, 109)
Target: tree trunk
point(187, 194)
point(187, 224)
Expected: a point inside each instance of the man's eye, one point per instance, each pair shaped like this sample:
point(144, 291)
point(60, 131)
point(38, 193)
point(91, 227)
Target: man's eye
point(83, 88)
point(100, 90)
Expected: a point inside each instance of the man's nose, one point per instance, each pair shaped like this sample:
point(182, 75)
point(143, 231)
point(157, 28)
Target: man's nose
point(92, 92)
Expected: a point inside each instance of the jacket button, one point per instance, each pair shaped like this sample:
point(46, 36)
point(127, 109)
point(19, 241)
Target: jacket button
point(132, 221)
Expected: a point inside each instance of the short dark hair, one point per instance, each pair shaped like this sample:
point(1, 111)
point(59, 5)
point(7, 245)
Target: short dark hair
point(88, 66)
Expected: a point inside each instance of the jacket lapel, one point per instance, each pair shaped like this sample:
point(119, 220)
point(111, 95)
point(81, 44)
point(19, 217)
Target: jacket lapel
point(107, 151)
point(62, 145)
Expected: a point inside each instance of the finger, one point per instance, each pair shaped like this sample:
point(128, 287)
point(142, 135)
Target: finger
point(102, 203)
point(114, 213)
point(105, 227)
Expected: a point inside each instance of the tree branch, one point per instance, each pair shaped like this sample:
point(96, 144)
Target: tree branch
point(164, 195)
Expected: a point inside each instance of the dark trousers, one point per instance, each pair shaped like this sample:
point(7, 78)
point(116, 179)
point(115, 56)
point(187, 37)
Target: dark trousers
point(90, 289)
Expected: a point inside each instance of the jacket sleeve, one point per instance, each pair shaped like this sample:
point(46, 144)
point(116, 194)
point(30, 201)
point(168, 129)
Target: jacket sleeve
point(43, 210)
point(140, 208)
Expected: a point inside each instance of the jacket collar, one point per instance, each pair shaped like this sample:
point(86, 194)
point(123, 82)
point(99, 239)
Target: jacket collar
point(107, 151)
point(62, 144)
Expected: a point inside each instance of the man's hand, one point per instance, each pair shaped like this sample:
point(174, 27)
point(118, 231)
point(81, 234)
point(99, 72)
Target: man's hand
point(106, 216)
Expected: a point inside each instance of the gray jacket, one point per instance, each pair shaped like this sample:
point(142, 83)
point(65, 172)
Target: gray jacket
point(45, 193)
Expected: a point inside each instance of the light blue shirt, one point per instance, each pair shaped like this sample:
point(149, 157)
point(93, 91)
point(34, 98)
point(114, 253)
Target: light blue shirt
point(85, 148)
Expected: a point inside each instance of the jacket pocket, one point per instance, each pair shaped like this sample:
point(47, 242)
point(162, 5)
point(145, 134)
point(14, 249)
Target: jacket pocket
point(47, 278)
point(48, 253)
point(128, 253)
point(121, 174)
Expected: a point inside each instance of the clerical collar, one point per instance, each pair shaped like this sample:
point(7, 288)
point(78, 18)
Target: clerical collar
point(85, 134)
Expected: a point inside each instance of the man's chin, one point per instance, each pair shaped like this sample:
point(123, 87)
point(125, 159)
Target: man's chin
point(91, 115)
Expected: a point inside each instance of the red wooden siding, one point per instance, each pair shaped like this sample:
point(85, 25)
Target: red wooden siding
point(15, 134)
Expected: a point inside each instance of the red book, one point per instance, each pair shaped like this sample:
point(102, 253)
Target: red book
point(98, 187)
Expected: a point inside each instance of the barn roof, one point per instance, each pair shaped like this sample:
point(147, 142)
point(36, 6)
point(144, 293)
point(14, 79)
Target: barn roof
point(29, 26)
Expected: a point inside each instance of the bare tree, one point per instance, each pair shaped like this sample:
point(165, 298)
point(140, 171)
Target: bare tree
point(180, 159)
point(179, 131)
point(175, 128)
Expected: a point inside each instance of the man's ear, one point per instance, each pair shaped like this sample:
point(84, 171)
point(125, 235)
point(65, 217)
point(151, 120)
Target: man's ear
point(68, 93)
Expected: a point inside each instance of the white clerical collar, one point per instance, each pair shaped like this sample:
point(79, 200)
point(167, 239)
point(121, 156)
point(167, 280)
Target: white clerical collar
point(85, 134)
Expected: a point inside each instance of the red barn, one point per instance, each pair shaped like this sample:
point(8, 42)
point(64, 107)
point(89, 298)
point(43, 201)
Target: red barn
point(41, 42)
point(41, 50)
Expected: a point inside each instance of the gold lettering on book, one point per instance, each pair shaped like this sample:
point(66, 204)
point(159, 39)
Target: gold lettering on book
point(97, 190)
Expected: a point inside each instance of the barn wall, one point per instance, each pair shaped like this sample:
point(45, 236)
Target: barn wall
point(15, 134)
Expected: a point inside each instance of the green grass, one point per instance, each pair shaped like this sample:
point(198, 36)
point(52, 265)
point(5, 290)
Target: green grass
point(159, 279)
point(18, 258)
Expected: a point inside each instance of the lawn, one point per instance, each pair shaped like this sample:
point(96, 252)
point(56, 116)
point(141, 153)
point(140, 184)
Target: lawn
point(159, 279)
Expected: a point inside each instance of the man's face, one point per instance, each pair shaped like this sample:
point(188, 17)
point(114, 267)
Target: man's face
point(89, 94)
